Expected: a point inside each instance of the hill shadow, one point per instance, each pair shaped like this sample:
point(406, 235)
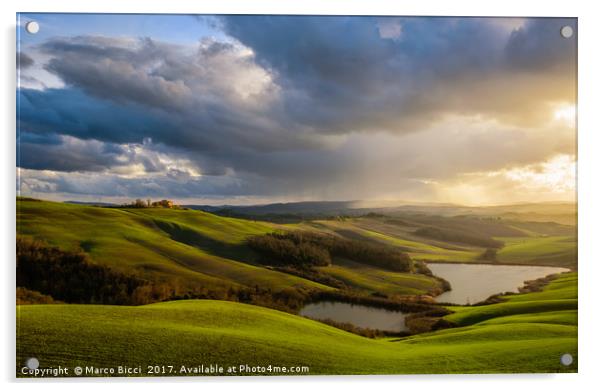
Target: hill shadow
point(190, 237)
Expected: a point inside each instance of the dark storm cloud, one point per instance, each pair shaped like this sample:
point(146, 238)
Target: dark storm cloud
point(207, 94)
point(214, 144)
point(63, 156)
point(104, 68)
point(334, 74)
point(344, 76)
point(69, 154)
point(173, 185)
point(269, 110)
point(71, 112)
point(24, 61)
point(539, 47)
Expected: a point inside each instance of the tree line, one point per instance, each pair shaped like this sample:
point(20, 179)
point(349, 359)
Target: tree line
point(71, 277)
point(47, 274)
point(307, 249)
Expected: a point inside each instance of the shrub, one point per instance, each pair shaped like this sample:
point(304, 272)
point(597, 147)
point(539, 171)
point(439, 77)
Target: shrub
point(26, 296)
point(421, 268)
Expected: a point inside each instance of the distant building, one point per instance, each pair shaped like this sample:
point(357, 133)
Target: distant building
point(163, 204)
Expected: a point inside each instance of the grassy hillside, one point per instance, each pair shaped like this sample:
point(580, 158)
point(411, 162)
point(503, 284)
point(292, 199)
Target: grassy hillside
point(190, 246)
point(529, 243)
point(526, 333)
point(199, 249)
point(390, 234)
point(558, 296)
point(193, 247)
point(564, 213)
point(370, 279)
point(542, 250)
point(543, 327)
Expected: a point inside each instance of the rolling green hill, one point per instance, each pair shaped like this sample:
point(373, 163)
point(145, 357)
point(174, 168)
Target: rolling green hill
point(525, 333)
point(530, 243)
point(189, 246)
point(191, 333)
point(540, 250)
point(144, 241)
point(370, 279)
point(196, 248)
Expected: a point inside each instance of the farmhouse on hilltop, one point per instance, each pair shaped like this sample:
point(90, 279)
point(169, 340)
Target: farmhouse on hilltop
point(163, 204)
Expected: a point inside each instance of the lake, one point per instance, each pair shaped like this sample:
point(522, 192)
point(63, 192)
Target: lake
point(358, 315)
point(472, 283)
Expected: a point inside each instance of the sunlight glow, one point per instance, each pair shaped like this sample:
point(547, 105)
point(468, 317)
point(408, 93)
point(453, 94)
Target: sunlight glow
point(566, 113)
point(553, 179)
point(555, 175)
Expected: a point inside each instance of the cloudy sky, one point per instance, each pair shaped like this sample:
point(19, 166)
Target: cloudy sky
point(255, 109)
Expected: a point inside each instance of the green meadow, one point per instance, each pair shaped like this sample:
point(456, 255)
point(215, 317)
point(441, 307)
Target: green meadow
point(560, 250)
point(191, 246)
point(371, 279)
point(528, 333)
point(522, 333)
point(532, 243)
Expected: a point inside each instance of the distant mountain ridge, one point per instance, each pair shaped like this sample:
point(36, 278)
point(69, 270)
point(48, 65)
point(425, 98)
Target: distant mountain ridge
point(558, 212)
point(305, 207)
point(563, 212)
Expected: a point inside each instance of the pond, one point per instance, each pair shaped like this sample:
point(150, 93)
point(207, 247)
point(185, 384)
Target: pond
point(358, 315)
point(472, 283)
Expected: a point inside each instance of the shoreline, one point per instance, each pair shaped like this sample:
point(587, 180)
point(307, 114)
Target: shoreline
point(572, 269)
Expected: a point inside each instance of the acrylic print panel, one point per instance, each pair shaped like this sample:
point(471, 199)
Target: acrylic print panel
point(295, 195)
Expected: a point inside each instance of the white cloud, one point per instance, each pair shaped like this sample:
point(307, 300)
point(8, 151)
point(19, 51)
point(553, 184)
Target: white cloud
point(390, 28)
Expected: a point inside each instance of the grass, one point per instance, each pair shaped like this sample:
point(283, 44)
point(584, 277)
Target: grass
point(538, 250)
point(417, 248)
point(526, 333)
point(369, 279)
point(135, 240)
point(203, 248)
point(221, 229)
point(529, 338)
point(558, 296)
point(534, 248)
point(188, 245)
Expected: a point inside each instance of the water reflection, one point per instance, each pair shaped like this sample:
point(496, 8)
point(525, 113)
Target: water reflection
point(358, 315)
point(473, 283)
